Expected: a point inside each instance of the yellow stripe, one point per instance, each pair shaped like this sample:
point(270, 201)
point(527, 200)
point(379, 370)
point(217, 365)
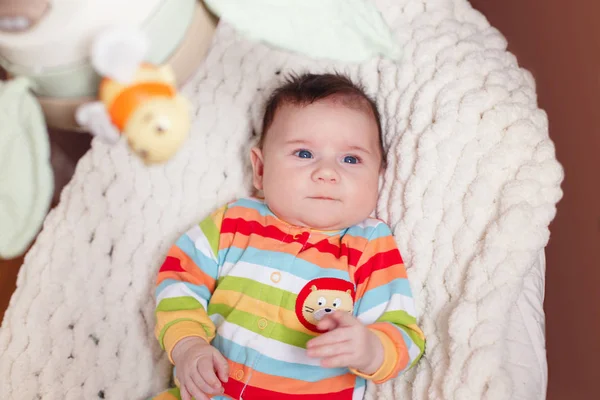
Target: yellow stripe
point(198, 315)
point(182, 330)
point(241, 302)
point(390, 359)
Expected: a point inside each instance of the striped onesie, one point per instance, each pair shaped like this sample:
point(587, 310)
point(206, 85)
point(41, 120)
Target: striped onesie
point(255, 287)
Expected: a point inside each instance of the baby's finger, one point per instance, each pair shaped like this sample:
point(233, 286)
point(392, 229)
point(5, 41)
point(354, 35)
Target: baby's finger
point(210, 382)
point(221, 366)
point(327, 324)
point(340, 335)
point(195, 386)
point(185, 395)
point(331, 350)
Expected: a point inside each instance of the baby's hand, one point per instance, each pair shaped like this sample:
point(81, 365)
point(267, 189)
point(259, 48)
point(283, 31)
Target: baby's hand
point(348, 343)
point(195, 363)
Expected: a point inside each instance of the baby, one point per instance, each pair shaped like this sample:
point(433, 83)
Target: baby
point(298, 293)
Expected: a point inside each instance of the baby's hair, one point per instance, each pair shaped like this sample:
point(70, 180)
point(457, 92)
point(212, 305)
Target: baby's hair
point(306, 89)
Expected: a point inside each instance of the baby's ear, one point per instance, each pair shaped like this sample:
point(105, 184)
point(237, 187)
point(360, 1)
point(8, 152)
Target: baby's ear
point(349, 292)
point(313, 288)
point(256, 157)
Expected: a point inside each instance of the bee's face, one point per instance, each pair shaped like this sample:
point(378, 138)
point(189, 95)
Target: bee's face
point(157, 129)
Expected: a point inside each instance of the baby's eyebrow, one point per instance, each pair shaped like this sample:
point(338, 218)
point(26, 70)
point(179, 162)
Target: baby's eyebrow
point(359, 148)
point(297, 141)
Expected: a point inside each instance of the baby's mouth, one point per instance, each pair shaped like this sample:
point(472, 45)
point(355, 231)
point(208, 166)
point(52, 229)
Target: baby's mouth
point(323, 198)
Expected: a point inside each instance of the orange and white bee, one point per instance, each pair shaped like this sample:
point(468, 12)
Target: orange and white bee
point(135, 99)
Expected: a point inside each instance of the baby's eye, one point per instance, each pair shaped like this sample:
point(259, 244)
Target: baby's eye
point(322, 301)
point(337, 303)
point(303, 154)
point(351, 160)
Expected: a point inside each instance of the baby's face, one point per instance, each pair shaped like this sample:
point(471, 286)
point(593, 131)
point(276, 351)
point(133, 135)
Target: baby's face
point(320, 165)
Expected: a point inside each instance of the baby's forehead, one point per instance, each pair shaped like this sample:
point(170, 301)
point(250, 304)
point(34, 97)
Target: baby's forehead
point(314, 114)
point(333, 103)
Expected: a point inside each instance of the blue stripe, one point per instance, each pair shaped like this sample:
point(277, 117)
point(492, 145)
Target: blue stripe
point(253, 204)
point(208, 265)
point(370, 232)
point(282, 262)
point(360, 382)
point(266, 365)
point(202, 291)
point(407, 340)
point(382, 294)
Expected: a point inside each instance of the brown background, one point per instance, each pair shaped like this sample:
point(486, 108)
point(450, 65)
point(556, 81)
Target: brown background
point(559, 41)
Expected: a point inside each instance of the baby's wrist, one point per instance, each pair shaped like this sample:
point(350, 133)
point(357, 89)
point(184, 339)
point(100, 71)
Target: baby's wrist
point(183, 346)
point(376, 361)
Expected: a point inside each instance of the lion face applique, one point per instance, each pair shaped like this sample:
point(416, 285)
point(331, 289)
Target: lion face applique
point(323, 296)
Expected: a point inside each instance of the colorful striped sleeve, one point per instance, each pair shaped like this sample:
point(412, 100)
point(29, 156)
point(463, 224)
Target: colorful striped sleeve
point(384, 302)
point(186, 282)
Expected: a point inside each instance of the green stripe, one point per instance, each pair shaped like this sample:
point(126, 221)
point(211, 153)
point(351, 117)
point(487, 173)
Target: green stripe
point(418, 341)
point(178, 304)
point(209, 228)
point(259, 291)
point(401, 320)
point(249, 321)
point(173, 392)
point(398, 317)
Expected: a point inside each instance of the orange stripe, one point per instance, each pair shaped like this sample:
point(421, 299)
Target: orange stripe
point(130, 98)
point(384, 276)
point(323, 260)
point(226, 240)
point(379, 245)
point(242, 212)
point(192, 274)
point(381, 277)
point(284, 385)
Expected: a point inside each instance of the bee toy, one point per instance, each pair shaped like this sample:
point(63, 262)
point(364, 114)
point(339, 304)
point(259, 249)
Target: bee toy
point(136, 100)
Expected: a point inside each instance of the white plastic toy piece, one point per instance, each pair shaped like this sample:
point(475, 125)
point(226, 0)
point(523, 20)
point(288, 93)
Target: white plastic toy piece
point(118, 53)
point(96, 119)
point(136, 100)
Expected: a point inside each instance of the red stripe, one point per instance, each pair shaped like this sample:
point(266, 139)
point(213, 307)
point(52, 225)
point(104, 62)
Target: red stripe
point(377, 262)
point(234, 388)
point(325, 246)
point(354, 256)
point(172, 264)
point(239, 225)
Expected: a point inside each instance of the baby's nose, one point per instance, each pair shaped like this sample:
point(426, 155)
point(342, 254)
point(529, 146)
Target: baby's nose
point(326, 174)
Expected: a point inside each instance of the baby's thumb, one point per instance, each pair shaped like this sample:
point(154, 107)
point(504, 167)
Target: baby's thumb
point(221, 366)
point(327, 324)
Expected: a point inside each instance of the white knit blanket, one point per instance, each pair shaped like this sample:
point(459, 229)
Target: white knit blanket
point(470, 190)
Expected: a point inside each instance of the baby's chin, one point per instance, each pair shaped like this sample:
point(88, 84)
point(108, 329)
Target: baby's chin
point(328, 217)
